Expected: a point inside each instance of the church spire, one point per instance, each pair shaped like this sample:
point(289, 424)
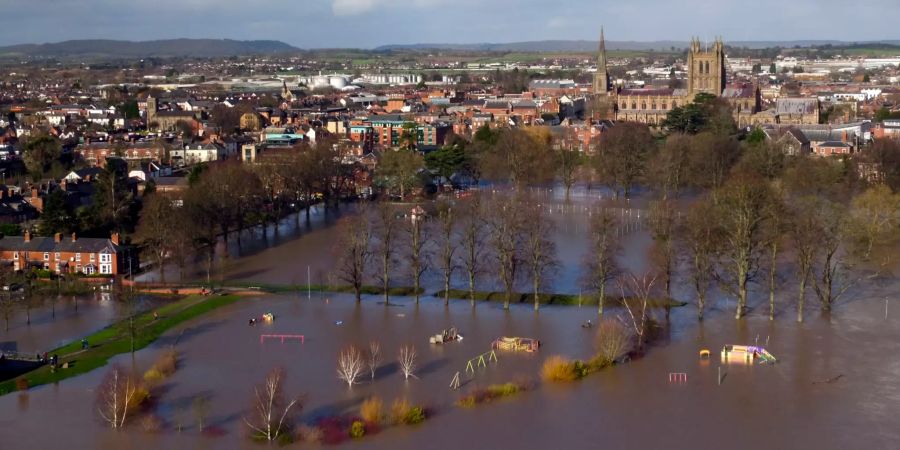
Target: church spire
point(601, 78)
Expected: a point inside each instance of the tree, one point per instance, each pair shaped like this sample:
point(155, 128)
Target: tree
point(773, 69)
point(874, 223)
point(112, 196)
point(353, 251)
point(662, 230)
point(350, 365)
point(621, 161)
point(700, 239)
point(613, 341)
point(39, 152)
point(7, 305)
point(373, 357)
point(447, 246)
point(804, 232)
point(711, 160)
point(407, 361)
point(773, 235)
point(271, 411)
point(636, 304)
point(600, 259)
point(833, 265)
point(447, 161)
point(539, 249)
point(520, 157)
point(668, 171)
point(473, 243)
point(504, 225)
point(398, 170)
point(690, 118)
point(742, 213)
point(568, 162)
point(386, 233)
point(418, 255)
point(118, 395)
point(57, 216)
point(154, 229)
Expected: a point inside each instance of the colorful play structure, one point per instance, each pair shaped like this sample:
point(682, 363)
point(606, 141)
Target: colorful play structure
point(747, 354)
point(445, 336)
point(517, 344)
point(282, 337)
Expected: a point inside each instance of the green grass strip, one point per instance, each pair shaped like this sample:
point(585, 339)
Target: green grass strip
point(115, 340)
point(555, 299)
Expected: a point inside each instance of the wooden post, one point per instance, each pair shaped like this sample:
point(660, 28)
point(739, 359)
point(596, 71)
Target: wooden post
point(720, 375)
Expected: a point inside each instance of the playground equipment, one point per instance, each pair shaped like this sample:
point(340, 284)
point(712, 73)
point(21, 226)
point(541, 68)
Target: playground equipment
point(481, 360)
point(283, 337)
point(268, 318)
point(677, 377)
point(704, 353)
point(517, 344)
point(448, 335)
point(747, 354)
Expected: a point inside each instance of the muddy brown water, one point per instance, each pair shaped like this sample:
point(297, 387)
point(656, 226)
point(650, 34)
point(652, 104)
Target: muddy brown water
point(789, 405)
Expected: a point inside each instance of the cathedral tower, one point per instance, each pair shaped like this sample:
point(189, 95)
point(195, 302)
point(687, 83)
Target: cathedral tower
point(706, 68)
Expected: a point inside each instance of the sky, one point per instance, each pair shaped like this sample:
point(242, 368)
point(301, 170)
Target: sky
point(370, 23)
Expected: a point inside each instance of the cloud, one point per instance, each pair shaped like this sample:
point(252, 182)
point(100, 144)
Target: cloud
point(358, 7)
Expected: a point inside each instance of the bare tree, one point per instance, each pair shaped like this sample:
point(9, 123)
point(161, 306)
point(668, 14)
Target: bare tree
point(600, 259)
point(200, 408)
point(540, 250)
point(472, 236)
point(662, 229)
point(418, 251)
point(7, 310)
point(774, 231)
point(742, 207)
point(271, 411)
point(373, 357)
point(386, 231)
point(407, 360)
point(504, 228)
point(804, 234)
point(613, 340)
point(568, 160)
point(117, 395)
point(350, 365)
point(834, 268)
point(154, 228)
point(699, 234)
point(353, 251)
point(636, 305)
point(447, 246)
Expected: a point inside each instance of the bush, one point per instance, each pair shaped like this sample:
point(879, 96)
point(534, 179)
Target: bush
point(613, 341)
point(357, 429)
point(372, 410)
point(167, 363)
point(310, 434)
point(399, 409)
point(151, 423)
point(22, 384)
point(414, 416)
point(153, 376)
point(559, 369)
point(490, 393)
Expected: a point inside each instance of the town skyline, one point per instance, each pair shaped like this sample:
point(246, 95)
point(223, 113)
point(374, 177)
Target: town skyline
point(362, 22)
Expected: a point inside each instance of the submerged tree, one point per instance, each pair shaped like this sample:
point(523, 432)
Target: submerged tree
point(418, 253)
point(539, 249)
point(271, 412)
point(447, 246)
point(473, 243)
point(504, 227)
point(353, 251)
point(373, 357)
point(662, 229)
point(350, 365)
point(600, 258)
point(407, 361)
point(386, 232)
point(700, 240)
point(117, 396)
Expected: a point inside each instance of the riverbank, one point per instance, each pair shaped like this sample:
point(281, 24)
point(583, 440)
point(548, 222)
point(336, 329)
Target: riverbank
point(115, 339)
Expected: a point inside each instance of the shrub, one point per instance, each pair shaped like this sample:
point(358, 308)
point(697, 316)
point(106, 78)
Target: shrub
point(167, 362)
point(153, 376)
point(22, 384)
point(613, 341)
point(310, 434)
point(490, 393)
point(372, 410)
point(415, 415)
point(357, 429)
point(399, 410)
point(141, 395)
point(559, 369)
point(151, 423)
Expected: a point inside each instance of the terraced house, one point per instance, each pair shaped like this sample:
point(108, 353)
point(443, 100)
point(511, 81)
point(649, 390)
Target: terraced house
point(88, 256)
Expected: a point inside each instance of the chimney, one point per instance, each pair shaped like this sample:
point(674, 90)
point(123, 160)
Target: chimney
point(27, 236)
point(114, 238)
point(57, 237)
point(74, 237)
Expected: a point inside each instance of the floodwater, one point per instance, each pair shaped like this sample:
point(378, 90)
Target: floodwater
point(788, 405)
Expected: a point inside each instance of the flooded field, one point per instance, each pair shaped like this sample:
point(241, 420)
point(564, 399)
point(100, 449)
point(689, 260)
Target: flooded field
point(834, 386)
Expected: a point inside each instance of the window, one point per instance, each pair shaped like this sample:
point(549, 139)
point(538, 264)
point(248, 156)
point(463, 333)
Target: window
point(16, 255)
point(105, 257)
point(56, 256)
point(93, 257)
point(78, 257)
point(46, 256)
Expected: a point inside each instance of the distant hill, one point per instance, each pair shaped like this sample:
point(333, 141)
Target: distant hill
point(590, 46)
point(144, 49)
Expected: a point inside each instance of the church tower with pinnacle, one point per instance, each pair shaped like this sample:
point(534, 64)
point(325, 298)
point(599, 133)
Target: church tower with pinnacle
point(601, 78)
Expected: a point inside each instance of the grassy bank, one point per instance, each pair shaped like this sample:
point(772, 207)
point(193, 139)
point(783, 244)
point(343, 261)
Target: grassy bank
point(555, 299)
point(115, 340)
point(399, 291)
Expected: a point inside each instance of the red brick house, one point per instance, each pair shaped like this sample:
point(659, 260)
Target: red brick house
point(89, 256)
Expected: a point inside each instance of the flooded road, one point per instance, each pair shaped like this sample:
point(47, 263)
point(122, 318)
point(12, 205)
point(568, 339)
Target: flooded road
point(789, 405)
